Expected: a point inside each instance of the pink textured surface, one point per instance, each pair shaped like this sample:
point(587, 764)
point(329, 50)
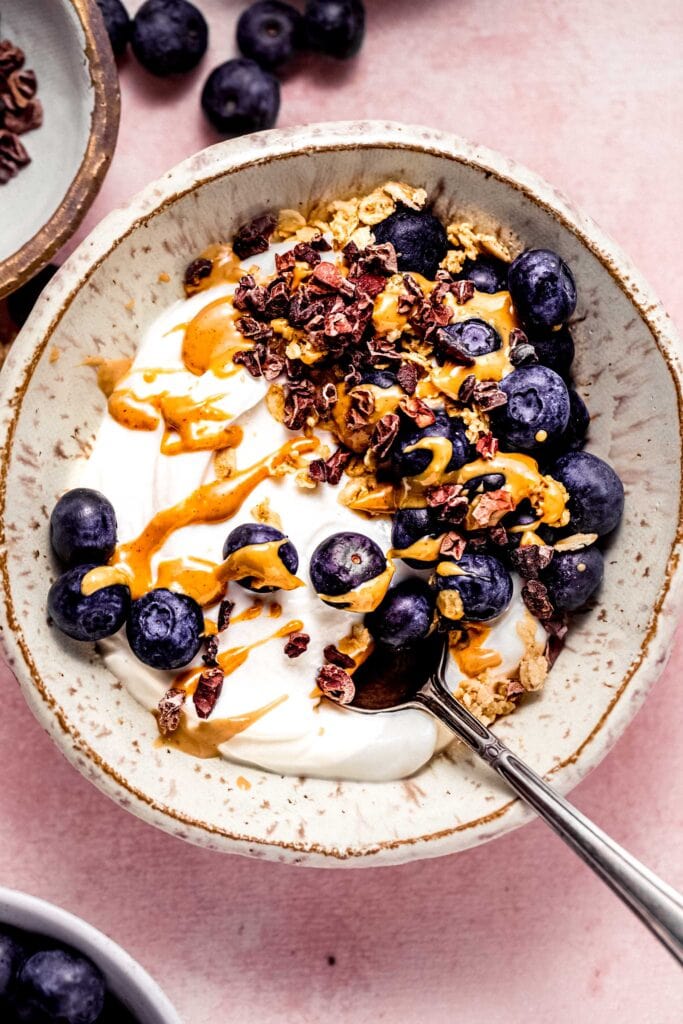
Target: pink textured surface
point(591, 96)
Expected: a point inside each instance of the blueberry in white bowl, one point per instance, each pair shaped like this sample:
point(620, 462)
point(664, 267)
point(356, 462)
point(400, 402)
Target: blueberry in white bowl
point(410, 525)
point(468, 339)
point(418, 237)
point(537, 409)
point(344, 562)
point(255, 535)
point(91, 616)
point(169, 37)
point(554, 348)
point(405, 616)
point(542, 288)
point(574, 436)
point(476, 588)
point(269, 32)
point(573, 577)
point(486, 273)
point(83, 528)
point(165, 629)
point(409, 462)
point(596, 494)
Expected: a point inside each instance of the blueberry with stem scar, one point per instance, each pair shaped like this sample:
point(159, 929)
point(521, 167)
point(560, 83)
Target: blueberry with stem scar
point(87, 617)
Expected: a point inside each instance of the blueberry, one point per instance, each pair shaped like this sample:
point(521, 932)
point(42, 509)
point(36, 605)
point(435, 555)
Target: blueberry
point(117, 23)
point(573, 576)
point(257, 533)
point(169, 37)
point(83, 528)
point(380, 378)
point(411, 463)
point(523, 516)
point(486, 273)
point(343, 562)
point(165, 629)
point(410, 525)
point(240, 97)
point(537, 410)
point(55, 985)
point(405, 615)
point(484, 482)
point(90, 617)
point(542, 288)
point(12, 955)
point(470, 338)
point(418, 237)
point(483, 583)
point(269, 32)
point(335, 27)
point(554, 349)
point(596, 494)
point(574, 436)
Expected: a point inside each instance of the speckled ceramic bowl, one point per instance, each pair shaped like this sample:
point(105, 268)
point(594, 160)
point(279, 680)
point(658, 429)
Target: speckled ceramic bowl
point(627, 367)
point(126, 979)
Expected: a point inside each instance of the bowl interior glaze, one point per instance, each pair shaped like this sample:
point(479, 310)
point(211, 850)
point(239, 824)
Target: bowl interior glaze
point(109, 291)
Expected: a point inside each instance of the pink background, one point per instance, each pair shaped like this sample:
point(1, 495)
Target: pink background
point(590, 95)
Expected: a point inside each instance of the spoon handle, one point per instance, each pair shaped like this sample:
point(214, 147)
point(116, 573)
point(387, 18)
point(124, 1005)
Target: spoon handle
point(658, 905)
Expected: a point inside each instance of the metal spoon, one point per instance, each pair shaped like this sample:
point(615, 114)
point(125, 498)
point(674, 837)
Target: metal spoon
point(658, 905)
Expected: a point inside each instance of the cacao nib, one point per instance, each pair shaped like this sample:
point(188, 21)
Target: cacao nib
point(452, 545)
point(329, 278)
point(296, 644)
point(249, 360)
point(326, 397)
point(466, 391)
point(254, 329)
point(317, 471)
point(361, 408)
point(336, 464)
point(462, 291)
point(531, 559)
point(320, 243)
point(197, 271)
point(284, 261)
point(407, 377)
point(208, 691)
point(487, 446)
point(169, 710)
point(11, 58)
point(337, 657)
point(521, 352)
point(336, 684)
point(254, 237)
point(305, 253)
point(272, 365)
point(535, 597)
point(443, 494)
point(490, 508)
point(498, 535)
point(299, 403)
point(487, 395)
point(277, 304)
point(384, 435)
point(210, 651)
point(415, 409)
point(225, 610)
point(25, 118)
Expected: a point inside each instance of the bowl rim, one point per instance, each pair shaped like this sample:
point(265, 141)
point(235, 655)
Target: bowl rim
point(31, 913)
point(38, 250)
point(219, 161)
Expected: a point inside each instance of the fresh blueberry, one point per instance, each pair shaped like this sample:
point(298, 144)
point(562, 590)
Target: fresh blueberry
point(169, 36)
point(410, 525)
point(574, 436)
point(269, 32)
point(405, 615)
point(335, 27)
point(418, 237)
point(380, 378)
point(343, 562)
point(537, 409)
point(258, 533)
point(240, 97)
point(484, 482)
point(90, 617)
point(542, 288)
point(411, 463)
point(83, 528)
point(486, 273)
point(117, 23)
point(596, 494)
point(165, 629)
point(516, 521)
point(469, 338)
point(554, 349)
point(483, 583)
point(55, 985)
point(12, 955)
point(572, 577)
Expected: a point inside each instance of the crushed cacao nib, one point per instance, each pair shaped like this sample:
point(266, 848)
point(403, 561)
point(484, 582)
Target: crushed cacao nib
point(369, 284)
point(407, 377)
point(320, 243)
point(514, 689)
point(531, 559)
point(517, 337)
point(337, 657)
point(225, 610)
point(361, 408)
point(329, 278)
point(384, 435)
point(284, 261)
point(22, 85)
point(490, 508)
point(326, 397)
point(299, 403)
point(336, 684)
point(498, 535)
point(535, 597)
point(462, 291)
point(443, 494)
point(254, 329)
point(374, 259)
point(210, 651)
point(249, 360)
point(317, 471)
point(429, 316)
point(305, 253)
point(556, 627)
point(23, 119)
point(272, 365)
point(523, 355)
point(208, 691)
point(296, 644)
point(456, 352)
point(381, 351)
point(248, 296)
point(197, 271)
point(13, 156)
point(487, 446)
point(169, 710)
point(487, 395)
point(336, 464)
point(415, 409)
point(452, 545)
point(294, 369)
point(254, 237)
point(466, 391)
point(11, 58)
point(352, 377)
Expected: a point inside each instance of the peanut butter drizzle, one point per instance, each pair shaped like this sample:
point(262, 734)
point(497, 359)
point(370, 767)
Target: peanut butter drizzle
point(366, 597)
point(109, 372)
point(442, 452)
point(470, 654)
point(495, 309)
point(426, 549)
point(211, 339)
point(261, 563)
point(195, 577)
point(213, 502)
point(203, 739)
point(252, 612)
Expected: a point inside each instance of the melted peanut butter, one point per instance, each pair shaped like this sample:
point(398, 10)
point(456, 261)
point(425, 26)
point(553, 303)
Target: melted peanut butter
point(243, 783)
point(470, 654)
point(203, 739)
point(261, 564)
point(195, 577)
point(214, 502)
point(109, 372)
point(495, 309)
point(211, 339)
point(426, 549)
point(366, 597)
point(103, 576)
point(523, 480)
point(252, 612)
point(441, 451)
